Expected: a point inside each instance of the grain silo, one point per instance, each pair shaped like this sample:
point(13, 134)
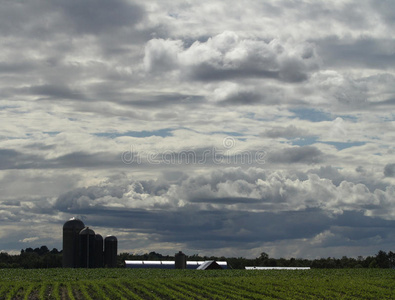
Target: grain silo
point(87, 248)
point(99, 255)
point(180, 261)
point(110, 251)
point(71, 248)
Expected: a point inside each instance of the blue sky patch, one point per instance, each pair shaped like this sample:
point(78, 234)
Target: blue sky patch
point(305, 141)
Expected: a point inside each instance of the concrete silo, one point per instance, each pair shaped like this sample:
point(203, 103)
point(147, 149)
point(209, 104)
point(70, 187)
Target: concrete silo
point(180, 260)
point(87, 248)
point(99, 254)
point(110, 251)
point(71, 246)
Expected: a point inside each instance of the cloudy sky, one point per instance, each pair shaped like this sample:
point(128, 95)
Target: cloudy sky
point(213, 127)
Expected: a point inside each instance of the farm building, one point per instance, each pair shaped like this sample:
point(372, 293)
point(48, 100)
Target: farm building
point(210, 265)
point(162, 264)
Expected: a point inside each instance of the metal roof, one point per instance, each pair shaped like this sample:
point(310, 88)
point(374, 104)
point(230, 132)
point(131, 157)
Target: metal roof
point(210, 264)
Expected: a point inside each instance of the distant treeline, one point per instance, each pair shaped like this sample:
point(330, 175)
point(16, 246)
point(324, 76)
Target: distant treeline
point(380, 260)
point(42, 257)
point(32, 259)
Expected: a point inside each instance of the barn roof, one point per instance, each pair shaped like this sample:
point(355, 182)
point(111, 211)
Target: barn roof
point(210, 265)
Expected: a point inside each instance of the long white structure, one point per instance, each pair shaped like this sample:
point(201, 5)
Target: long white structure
point(166, 264)
point(277, 268)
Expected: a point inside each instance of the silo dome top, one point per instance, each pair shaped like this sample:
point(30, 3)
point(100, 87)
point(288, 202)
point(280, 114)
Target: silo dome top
point(98, 237)
point(73, 223)
point(111, 238)
point(87, 231)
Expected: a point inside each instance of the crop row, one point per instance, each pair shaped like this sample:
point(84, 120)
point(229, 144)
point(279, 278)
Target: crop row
point(215, 288)
point(188, 284)
point(305, 276)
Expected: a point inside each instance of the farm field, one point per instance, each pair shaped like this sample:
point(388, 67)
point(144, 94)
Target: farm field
point(196, 284)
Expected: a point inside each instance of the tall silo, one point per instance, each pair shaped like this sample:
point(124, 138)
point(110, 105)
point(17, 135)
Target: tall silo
point(87, 248)
point(110, 251)
point(180, 260)
point(71, 246)
point(99, 254)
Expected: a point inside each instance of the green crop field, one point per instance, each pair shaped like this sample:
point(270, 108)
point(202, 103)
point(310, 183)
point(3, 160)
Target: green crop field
point(196, 284)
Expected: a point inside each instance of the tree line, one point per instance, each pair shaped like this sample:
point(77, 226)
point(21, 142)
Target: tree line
point(30, 258)
point(381, 260)
point(42, 257)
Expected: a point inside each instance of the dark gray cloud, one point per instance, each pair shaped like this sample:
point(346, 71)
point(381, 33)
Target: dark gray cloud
point(202, 229)
point(56, 92)
point(163, 100)
point(227, 200)
point(365, 52)
point(87, 17)
point(304, 154)
point(12, 159)
point(215, 228)
point(40, 146)
point(94, 17)
point(206, 72)
point(389, 170)
point(16, 67)
point(242, 98)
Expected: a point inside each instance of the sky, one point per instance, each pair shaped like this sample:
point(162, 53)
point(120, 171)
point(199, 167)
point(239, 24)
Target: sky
point(225, 128)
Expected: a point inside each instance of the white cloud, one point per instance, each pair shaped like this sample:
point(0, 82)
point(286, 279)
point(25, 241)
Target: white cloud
point(30, 239)
point(227, 56)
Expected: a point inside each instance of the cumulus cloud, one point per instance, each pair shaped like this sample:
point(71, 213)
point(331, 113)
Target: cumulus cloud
point(161, 55)
point(231, 189)
point(233, 206)
point(227, 56)
point(234, 94)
